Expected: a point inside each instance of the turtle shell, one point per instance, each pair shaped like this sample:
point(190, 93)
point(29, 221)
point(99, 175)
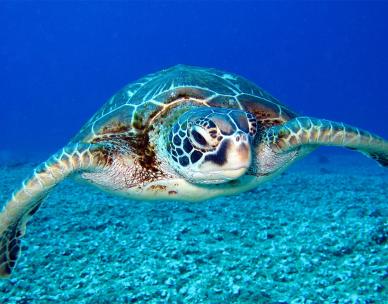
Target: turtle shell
point(138, 105)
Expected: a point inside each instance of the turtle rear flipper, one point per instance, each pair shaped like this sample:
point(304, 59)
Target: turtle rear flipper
point(27, 200)
point(306, 131)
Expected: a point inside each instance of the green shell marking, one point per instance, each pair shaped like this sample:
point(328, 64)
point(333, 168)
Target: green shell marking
point(134, 106)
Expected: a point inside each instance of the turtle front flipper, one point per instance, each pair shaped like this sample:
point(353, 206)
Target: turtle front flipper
point(306, 131)
point(27, 200)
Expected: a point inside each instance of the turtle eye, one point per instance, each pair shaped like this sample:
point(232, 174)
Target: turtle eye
point(198, 138)
point(201, 138)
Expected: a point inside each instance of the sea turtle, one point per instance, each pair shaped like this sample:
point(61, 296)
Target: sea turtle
point(184, 133)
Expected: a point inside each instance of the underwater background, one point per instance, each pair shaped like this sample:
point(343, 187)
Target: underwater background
point(317, 234)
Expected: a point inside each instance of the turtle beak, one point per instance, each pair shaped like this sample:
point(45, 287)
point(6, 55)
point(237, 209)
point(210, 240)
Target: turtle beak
point(231, 161)
point(239, 156)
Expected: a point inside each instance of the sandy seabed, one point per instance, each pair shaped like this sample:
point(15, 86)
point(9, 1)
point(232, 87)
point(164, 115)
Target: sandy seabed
point(317, 234)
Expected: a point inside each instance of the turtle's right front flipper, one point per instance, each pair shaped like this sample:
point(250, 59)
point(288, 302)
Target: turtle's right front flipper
point(26, 201)
point(307, 131)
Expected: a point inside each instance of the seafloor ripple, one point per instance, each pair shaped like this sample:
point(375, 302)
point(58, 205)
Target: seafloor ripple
point(318, 234)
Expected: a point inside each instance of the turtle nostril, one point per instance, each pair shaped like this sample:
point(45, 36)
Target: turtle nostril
point(241, 137)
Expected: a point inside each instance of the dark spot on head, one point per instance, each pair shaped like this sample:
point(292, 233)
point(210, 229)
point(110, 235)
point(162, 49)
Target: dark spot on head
point(177, 141)
point(184, 161)
point(219, 157)
point(195, 156)
point(211, 124)
point(187, 146)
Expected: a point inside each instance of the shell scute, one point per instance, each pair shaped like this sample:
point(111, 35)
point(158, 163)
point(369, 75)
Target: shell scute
point(223, 101)
point(139, 104)
point(267, 111)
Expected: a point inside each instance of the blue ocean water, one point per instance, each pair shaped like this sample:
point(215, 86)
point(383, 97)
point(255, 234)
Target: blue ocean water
point(61, 60)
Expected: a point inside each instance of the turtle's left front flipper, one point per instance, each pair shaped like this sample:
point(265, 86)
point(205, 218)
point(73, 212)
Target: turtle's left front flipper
point(306, 131)
point(26, 201)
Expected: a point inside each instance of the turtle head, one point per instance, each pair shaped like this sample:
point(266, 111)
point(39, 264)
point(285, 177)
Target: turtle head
point(212, 145)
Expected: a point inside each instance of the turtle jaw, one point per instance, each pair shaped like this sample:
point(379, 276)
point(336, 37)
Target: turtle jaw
point(218, 177)
point(232, 161)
